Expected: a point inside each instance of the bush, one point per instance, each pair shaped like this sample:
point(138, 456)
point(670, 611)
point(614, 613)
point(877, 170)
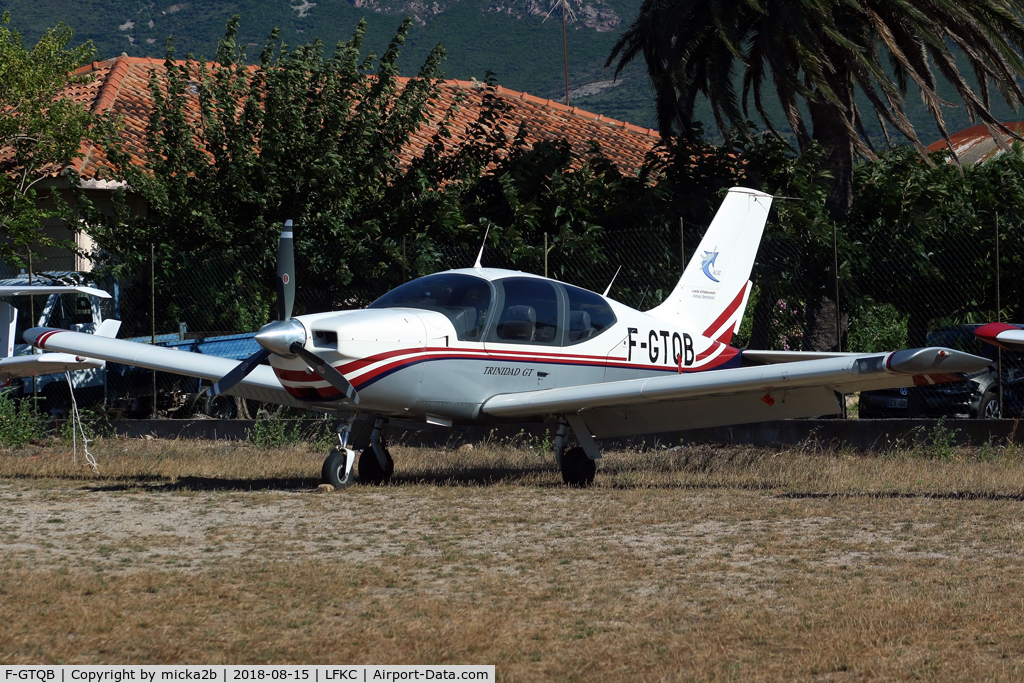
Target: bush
point(273, 432)
point(19, 422)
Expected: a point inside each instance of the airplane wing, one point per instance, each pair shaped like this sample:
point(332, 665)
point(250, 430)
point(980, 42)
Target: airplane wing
point(735, 396)
point(43, 364)
point(46, 289)
point(260, 385)
point(1000, 334)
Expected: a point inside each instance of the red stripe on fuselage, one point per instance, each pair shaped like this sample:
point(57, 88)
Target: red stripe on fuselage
point(415, 357)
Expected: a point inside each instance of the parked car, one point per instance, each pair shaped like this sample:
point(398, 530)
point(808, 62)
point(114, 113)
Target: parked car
point(975, 397)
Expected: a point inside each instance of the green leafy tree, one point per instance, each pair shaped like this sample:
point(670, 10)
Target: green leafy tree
point(41, 131)
point(233, 152)
point(927, 237)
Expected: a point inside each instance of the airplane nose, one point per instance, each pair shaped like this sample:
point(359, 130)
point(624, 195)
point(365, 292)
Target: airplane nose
point(278, 337)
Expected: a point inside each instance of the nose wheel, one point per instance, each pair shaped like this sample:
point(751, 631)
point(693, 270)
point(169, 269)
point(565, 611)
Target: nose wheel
point(337, 470)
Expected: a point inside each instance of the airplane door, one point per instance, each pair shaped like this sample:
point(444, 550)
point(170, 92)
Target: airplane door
point(616, 366)
point(523, 342)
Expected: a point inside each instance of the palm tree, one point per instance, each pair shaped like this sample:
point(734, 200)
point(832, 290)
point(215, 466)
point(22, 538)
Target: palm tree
point(818, 53)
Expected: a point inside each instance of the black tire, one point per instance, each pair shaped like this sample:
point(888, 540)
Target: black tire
point(222, 407)
point(577, 469)
point(333, 472)
point(369, 467)
point(988, 407)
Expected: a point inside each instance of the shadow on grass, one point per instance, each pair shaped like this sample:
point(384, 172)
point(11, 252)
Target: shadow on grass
point(474, 477)
point(939, 495)
point(211, 484)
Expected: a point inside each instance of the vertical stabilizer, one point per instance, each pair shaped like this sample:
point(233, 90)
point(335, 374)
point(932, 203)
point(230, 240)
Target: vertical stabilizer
point(712, 294)
point(8, 326)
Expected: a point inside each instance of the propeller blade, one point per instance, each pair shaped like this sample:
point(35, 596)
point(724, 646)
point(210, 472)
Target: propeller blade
point(285, 273)
point(237, 374)
point(326, 371)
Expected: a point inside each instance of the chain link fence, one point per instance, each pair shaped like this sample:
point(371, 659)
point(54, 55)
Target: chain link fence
point(888, 298)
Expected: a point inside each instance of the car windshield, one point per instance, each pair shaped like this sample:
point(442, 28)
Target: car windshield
point(465, 299)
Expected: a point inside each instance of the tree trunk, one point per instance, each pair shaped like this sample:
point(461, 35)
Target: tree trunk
point(820, 332)
point(242, 409)
point(760, 333)
point(829, 122)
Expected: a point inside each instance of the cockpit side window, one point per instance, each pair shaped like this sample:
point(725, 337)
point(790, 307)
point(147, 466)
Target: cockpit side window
point(529, 313)
point(589, 315)
point(465, 299)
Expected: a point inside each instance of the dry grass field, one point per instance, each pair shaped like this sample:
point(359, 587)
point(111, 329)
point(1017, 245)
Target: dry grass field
point(696, 563)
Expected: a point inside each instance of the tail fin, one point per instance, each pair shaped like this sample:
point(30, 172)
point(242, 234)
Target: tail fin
point(8, 327)
point(712, 294)
point(108, 328)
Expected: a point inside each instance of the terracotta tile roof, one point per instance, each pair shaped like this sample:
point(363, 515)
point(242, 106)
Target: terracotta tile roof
point(121, 88)
point(975, 145)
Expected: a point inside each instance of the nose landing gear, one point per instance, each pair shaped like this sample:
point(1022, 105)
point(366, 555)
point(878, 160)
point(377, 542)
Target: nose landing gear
point(337, 470)
point(375, 463)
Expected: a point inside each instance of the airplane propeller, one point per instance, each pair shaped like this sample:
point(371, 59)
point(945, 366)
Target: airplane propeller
point(285, 337)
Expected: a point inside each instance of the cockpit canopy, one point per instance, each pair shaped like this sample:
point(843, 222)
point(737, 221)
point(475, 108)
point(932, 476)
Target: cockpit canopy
point(531, 310)
point(463, 298)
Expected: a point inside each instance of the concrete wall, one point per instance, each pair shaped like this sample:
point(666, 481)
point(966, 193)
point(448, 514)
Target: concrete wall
point(860, 434)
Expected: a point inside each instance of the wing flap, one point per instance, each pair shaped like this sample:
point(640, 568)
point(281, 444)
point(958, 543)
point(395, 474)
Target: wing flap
point(710, 411)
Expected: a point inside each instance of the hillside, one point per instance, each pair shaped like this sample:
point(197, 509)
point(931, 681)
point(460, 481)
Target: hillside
point(508, 37)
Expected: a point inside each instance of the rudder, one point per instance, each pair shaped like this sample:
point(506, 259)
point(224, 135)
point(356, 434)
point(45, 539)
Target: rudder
point(712, 294)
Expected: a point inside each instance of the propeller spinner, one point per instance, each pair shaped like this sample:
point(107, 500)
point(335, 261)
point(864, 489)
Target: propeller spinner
point(285, 337)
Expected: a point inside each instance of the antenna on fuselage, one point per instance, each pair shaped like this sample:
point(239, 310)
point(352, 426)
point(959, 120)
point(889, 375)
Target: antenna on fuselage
point(609, 287)
point(481, 254)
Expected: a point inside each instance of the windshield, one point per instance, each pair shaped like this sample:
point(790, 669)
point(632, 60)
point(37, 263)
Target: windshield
point(463, 298)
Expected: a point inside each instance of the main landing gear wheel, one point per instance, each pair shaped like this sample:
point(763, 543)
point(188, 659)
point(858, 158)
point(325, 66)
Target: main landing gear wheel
point(577, 469)
point(988, 409)
point(370, 471)
point(337, 472)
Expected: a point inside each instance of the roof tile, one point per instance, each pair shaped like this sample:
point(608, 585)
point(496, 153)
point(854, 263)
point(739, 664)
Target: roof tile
point(121, 89)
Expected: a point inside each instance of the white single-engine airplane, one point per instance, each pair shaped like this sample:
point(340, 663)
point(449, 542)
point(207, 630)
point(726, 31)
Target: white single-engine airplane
point(481, 345)
point(14, 367)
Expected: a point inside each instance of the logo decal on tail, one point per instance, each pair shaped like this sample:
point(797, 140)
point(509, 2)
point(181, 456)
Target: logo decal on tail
point(707, 261)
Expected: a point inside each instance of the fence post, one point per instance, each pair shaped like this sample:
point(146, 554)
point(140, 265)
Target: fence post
point(32, 320)
point(152, 310)
point(682, 245)
point(999, 318)
point(839, 320)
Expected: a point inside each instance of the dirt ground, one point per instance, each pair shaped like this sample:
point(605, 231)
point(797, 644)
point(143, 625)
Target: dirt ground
point(693, 564)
